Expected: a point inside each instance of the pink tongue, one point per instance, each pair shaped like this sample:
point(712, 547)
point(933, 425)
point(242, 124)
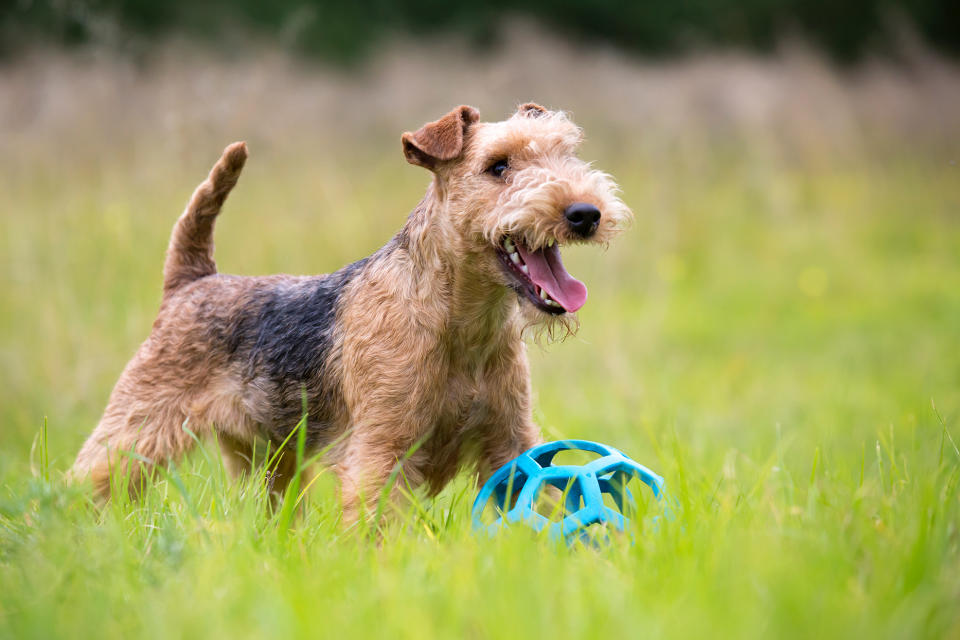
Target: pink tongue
point(546, 270)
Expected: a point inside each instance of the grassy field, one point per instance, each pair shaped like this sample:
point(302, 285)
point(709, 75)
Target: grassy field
point(777, 335)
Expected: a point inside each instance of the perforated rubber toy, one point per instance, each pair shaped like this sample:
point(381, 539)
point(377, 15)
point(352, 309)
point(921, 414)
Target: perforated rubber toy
point(583, 486)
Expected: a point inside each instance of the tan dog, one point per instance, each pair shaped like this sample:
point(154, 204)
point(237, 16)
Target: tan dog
point(419, 343)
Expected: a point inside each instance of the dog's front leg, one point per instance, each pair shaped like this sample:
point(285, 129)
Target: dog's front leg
point(373, 474)
point(510, 429)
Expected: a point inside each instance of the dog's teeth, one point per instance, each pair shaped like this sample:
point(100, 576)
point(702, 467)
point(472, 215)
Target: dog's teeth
point(508, 245)
point(543, 295)
point(525, 269)
point(515, 257)
point(553, 303)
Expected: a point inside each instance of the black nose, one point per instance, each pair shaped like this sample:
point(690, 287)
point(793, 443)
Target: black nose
point(583, 218)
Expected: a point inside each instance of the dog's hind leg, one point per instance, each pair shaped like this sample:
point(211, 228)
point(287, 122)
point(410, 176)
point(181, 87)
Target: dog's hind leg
point(238, 456)
point(133, 437)
point(241, 458)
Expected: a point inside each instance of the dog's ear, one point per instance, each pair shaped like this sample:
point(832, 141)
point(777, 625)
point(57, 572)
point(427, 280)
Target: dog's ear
point(531, 110)
point(441, 140)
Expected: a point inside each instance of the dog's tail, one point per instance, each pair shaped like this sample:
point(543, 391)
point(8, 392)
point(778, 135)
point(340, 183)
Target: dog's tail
point(190, 254)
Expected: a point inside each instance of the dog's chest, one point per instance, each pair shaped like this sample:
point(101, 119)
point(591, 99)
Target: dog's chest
point(465, 398)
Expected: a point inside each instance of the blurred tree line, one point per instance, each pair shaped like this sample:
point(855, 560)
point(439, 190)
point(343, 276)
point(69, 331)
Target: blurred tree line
point(344, 30)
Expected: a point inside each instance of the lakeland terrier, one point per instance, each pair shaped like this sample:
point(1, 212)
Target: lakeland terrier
point(413, 356)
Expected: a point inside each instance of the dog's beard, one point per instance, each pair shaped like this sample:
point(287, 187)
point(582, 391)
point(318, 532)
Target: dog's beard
point(542, 328)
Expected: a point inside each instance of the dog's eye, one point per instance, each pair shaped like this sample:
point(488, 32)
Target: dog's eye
point(498, 168)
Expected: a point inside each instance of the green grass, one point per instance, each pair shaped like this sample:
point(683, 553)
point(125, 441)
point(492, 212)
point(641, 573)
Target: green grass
point(771, 336)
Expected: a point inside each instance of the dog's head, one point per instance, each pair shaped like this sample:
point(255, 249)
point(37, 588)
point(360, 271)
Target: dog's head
point(515, 192)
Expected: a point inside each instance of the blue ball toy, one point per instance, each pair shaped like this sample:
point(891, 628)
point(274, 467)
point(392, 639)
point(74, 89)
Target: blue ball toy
point(583, 487)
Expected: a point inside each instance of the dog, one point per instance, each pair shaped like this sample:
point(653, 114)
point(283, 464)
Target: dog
point(412, 356)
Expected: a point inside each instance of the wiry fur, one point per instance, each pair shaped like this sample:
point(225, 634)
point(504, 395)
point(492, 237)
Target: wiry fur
point(420, 343)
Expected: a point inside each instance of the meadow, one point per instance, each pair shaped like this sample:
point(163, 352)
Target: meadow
point(777, 335)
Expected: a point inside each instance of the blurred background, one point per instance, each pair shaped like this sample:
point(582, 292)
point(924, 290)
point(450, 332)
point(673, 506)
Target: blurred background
point(347, 31)
point(793, 268)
